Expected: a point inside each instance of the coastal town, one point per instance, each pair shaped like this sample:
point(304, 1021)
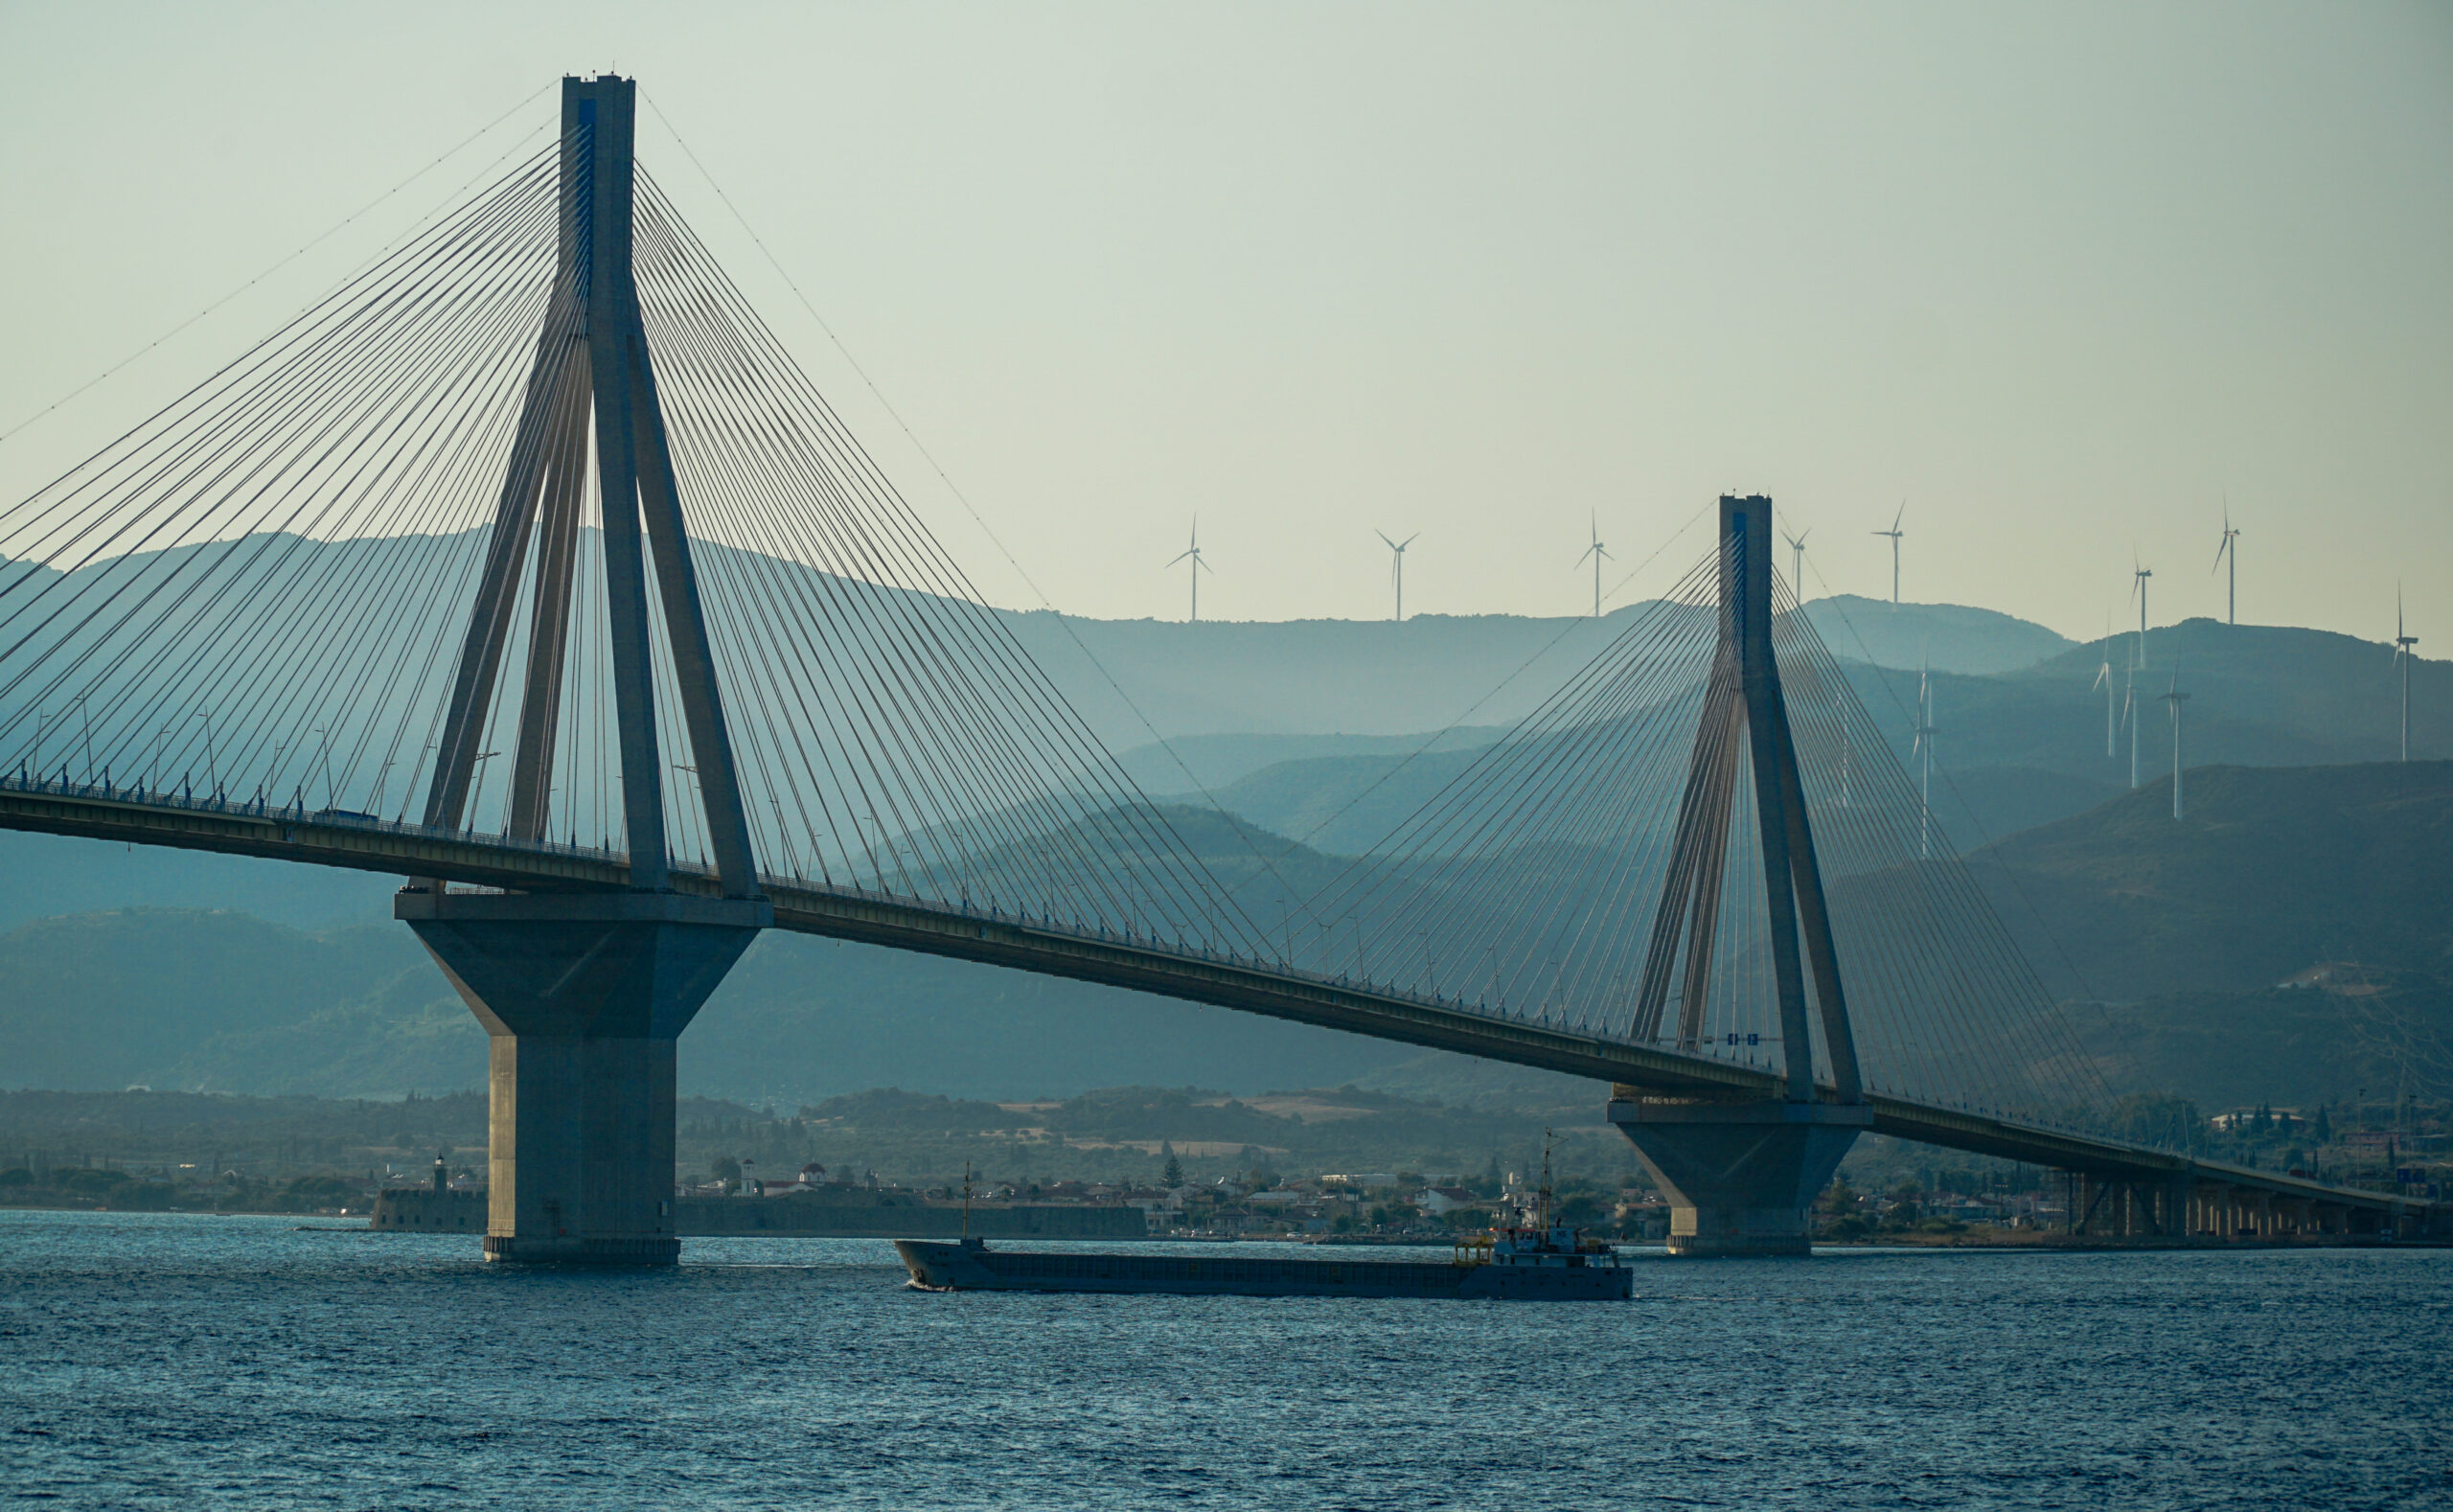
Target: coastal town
point(120, 1152)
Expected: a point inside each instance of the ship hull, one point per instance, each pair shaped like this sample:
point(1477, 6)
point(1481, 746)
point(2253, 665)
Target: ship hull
point(960, 1268)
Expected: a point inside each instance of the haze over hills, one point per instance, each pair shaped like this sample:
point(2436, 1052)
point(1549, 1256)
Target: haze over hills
point(2273, 871)
point(1376, 679)
point(189, 1000)
point(254, 976)
point(1162, 680)
point(1133, 682)
point(47, 876)
point(1231, 698)
point(2287, 942)
point(2014, 749)
point(2184, 927)
point(1947, 638)
point(1215, 762)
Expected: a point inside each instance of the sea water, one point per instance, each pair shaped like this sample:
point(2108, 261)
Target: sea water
point(176, 1361)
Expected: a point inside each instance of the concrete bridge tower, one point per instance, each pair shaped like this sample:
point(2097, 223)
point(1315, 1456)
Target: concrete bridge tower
point(1741, 1176)
point(583, 994)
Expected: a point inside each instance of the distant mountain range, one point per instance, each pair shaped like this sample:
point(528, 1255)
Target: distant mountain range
point(2171, 937)
point(1946, 638)
point(241, 975)
point(2014, 749)
point(1140, 680)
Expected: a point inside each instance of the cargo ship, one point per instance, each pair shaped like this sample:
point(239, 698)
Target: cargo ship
point(1513, 1265)
point(1541, 1261)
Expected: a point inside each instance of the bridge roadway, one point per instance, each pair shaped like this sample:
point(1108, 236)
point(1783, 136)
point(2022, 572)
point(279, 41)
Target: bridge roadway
point(2246, 1199)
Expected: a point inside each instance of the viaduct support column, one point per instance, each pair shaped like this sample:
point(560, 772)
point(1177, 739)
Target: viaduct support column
point(1741, 1178)
point(582, 996)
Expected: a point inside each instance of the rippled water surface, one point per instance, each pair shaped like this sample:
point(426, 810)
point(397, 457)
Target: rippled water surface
point(161, 1360)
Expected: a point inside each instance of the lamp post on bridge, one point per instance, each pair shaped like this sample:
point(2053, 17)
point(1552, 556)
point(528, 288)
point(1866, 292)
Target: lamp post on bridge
point(324, 749)
point(212, 764)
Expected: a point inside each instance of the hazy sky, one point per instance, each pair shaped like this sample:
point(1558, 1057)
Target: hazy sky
point(2060, 278)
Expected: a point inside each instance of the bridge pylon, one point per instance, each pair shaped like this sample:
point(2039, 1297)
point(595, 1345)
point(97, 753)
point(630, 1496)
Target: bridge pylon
point(584, 995)
point(1741, 1176)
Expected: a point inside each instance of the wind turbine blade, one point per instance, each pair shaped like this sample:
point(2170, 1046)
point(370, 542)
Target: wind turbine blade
point(1903, 511)
point(1180, 556)
point(1410, 540)
point(1384, 535)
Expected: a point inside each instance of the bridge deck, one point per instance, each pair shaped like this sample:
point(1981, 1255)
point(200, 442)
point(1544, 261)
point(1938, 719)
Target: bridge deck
point(362, 844)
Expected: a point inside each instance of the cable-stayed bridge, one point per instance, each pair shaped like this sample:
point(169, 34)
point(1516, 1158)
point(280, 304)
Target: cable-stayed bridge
point(528, 566)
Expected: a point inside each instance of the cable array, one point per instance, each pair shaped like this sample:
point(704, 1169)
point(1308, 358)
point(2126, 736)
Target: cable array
point(261, 594)
point(1530, 883)
point(251, 594)
point(891, 732)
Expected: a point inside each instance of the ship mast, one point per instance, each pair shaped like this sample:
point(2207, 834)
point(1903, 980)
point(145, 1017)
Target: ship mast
point(1541, 1197)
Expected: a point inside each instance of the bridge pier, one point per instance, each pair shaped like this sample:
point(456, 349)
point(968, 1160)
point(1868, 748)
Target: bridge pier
point(1741, 1178)
point(582, 997)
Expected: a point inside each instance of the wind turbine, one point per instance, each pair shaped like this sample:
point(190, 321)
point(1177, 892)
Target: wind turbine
point(2128, 711)
point(2138, 577)
point(1895, 533)
point(1924, 748)
point(2176, 697)
point(1192, 554)
point(2104, 681)
point(2404, 655)
point(1796, 563)
point(2230, 551)
point(1397, 566)
point(1596, 551)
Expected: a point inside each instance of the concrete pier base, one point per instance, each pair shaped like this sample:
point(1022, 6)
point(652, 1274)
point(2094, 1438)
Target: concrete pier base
point(583, 997)
point(1740, 1177)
